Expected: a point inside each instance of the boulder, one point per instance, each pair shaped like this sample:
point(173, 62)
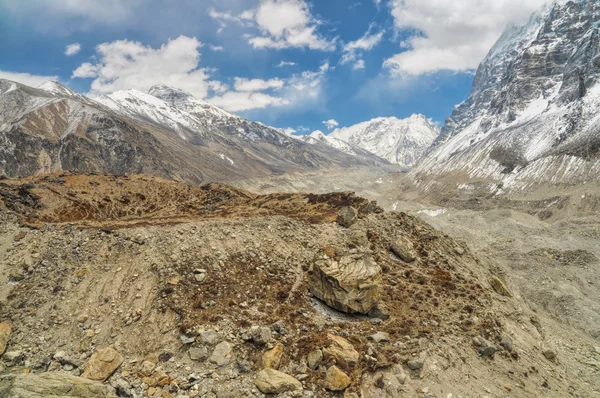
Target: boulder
point(499, 287)
point(272, 358)
point(50, 385)
point(351, 285)
point(271, 381)
point(404, 249)
point(261, 335)
point(342, 351)
point(347, 216)
point(336, 380)
point(5, 330)
point(102, 364)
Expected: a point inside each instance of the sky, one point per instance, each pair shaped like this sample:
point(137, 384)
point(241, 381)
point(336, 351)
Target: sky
point(300, 65)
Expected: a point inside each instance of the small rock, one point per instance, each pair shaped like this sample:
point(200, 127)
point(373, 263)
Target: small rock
point(221, 355)
point(336, 380)
point(103, 363)
point(186, 339)
point(82, 318)
point(415, 364)
point(404, 249)
point(506, 343)
point(261, 335)
point(279, 327)
point(549, 354)
point(342, 351)
point(200, 277)
point(499, 287)
point(198, 353)
point(210, 337)
point(271, 381)
point(380, 337)
point(5, 330)
point(12, 357)
point(347, 216)
point(314, 359)
point(272, 358)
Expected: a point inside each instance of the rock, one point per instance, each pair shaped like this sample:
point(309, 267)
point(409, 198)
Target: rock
point(384, 383)
point(404, 249)
point(200, 277)
point(261, 335)
point(336, 380)
point(5, 330)
point(352, 285)
point(186, 339)
point(272, 358)
point(50, 385)
point(342, 351)
point(347, 216)
point(221, 355)
point(271, 381)
point(506, 343)
point(499, 287)
point(459, 250)
point(102, 364)
point(379, 313)
point(485, 348)
point(549, 354)
point(198, 353)
point(415, 364)
point(82, 318)
point(210, 337)
point(314, 359)
point(279, 327)
point(380, 337)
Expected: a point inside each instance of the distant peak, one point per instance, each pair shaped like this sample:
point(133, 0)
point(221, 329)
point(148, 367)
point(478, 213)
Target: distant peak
point(317, 134)
point(54, 87)
point(165, 92)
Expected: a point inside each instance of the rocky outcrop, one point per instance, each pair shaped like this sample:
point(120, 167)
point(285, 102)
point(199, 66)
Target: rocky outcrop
point(50, 385)
point(352, 284)
point(342, 351)
point(5, 330)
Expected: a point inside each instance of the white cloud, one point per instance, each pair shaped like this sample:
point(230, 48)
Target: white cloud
point(452, 35)
point(367, 42)
point(284, 63)
point(26, 78)
point(125, 64)
point(360, 64)
point(216, 48)
point(331, 124)
point(72, 49)
point(290, 131)
point(242, 101)
point(282, 24)
point(242, 84)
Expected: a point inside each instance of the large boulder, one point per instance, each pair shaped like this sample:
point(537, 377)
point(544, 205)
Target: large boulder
point(102, 364)
point(271, 381)
point(351, 285)
point(347, 217)
point(50, 385)
point(404, 249)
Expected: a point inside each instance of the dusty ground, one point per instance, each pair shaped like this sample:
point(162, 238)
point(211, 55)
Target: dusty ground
point(103, 278)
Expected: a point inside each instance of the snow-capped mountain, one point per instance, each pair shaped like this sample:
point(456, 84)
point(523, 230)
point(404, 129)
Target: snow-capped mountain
point(167, 132)
point(400, 141)
point(317, 137)
point(533, 113)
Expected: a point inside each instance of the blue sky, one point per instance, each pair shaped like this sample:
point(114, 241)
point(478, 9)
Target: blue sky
point(288, 63)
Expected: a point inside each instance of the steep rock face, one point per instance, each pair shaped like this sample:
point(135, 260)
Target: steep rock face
point(400, 141)
point(53, 128)
point(531, 116)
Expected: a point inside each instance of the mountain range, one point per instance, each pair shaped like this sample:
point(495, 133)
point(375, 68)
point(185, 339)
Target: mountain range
point(166, 132)
point(532, 115)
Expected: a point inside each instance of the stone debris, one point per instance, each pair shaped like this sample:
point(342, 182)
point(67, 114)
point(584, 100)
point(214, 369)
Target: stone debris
point(50, 385)
point(336, 379)
point(272, 358)
point(5, 330)
point(342, 351)
point(347, 217)
point(103, 363)
point(404, 249)
point(221, 355)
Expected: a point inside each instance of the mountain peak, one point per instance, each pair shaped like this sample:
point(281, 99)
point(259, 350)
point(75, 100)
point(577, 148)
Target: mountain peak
point(56, 88)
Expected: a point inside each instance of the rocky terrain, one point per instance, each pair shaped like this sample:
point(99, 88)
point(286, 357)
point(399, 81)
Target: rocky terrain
point(531, 116)
point(216, 292)
point(166, 133)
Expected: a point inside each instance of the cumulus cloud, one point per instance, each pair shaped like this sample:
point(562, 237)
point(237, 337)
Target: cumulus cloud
point(452, 35)
point(281, 24)
point(72, 49)
point(289, 131)
point(242, 84)
point(125, 64)
point(352, 50)
point(235, 101)
point(360, 64)
point(331, 124)
point(26, 78)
